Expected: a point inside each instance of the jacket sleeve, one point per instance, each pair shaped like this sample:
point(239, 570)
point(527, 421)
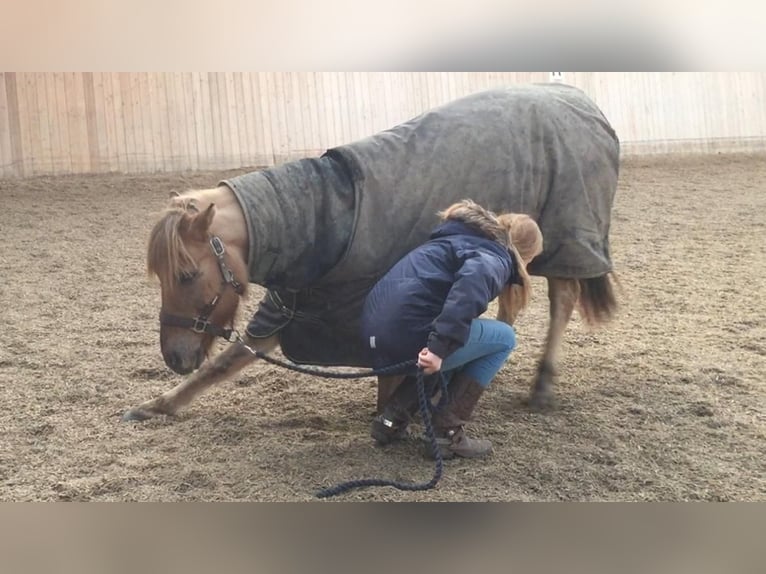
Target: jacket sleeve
point(478, 281)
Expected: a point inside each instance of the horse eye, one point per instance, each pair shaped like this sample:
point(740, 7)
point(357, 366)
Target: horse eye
point(187, 277)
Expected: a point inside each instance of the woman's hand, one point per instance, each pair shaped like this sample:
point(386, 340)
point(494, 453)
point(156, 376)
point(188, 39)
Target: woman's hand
point(429, 362)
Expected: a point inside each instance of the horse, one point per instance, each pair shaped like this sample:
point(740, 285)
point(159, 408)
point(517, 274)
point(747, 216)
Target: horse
point(319, 232)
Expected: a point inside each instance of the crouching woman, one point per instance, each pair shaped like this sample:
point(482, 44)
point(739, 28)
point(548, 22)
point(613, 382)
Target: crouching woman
point(427, 308)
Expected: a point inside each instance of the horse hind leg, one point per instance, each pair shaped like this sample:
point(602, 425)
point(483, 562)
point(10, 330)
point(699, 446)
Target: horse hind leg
point(221, 367)
point(563, 295)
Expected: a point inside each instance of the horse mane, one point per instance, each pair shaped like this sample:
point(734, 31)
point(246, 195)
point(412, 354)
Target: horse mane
point(166, 255)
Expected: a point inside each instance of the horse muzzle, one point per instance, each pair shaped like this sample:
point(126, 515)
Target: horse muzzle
point(183, 363)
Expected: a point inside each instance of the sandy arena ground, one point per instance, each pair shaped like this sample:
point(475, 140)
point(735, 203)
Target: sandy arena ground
point(667, 403)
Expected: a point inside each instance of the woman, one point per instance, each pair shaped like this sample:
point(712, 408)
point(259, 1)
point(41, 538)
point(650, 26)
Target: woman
point(427, 307)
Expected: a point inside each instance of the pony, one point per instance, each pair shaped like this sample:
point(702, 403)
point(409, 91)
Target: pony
point(319, 232)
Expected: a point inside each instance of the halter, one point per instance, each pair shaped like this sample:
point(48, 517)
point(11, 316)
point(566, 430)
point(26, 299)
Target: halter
point(201, 324)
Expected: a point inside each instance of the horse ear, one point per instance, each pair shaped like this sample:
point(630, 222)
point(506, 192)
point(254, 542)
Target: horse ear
point(201, 222)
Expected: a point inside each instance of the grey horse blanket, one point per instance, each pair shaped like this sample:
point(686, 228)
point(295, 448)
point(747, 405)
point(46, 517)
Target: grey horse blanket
point(324, 230)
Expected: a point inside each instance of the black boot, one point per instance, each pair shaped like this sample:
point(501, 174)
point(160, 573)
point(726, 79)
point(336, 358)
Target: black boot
point(448, 424)
point(391, 425)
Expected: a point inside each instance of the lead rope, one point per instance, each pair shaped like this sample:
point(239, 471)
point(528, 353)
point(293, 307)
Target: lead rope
point(425, 413)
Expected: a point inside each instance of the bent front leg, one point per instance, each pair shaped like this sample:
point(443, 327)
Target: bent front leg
point(563, 295)
point(221, 367)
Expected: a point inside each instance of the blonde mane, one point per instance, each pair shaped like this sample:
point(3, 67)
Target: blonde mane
point(166, 255)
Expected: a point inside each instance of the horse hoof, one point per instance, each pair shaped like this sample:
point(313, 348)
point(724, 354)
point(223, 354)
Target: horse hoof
point(137, 415)
point(541, 402)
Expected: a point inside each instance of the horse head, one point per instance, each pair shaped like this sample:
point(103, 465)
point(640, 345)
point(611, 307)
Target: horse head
point(201, 283)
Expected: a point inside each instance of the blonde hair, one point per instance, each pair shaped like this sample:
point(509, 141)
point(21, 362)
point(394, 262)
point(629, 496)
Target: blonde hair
point(525, 240)
point(516, 231)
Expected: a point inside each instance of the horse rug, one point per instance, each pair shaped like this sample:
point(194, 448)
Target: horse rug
point(324, 230)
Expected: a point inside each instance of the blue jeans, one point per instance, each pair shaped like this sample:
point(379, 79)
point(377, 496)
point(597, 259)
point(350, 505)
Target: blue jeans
point(489, 345)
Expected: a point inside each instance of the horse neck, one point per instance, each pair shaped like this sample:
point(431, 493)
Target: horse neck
point(300, 217)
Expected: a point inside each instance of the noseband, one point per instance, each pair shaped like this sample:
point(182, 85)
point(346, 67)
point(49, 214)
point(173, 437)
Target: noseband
point(201, 324)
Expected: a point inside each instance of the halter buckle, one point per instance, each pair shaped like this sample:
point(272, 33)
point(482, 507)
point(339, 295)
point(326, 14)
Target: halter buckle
point(200, 325)
point(217, 246)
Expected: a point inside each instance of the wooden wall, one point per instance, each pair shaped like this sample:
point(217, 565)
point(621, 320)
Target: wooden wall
point(60, 123)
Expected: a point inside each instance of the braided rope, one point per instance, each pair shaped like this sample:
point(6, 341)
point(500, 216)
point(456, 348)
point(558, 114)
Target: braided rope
point(425, 412)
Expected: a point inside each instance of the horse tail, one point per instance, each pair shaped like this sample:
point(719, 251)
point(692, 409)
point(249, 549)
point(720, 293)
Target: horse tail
point(598, 302)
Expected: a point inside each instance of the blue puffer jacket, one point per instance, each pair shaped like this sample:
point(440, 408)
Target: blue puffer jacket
point(430, 297)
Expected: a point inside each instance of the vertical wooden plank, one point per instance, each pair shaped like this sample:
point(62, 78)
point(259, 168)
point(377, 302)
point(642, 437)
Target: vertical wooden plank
point(320, 106)
point(7, 167)
point(139, 150)
point(238, 116)
point(166, 132)
point(24, 85)
point(91, 123)
point(104, 130)
point(62, 123)
point(118, 115)
point(346, 107)
point(376, 107)
point(422, 87)
point(178, 121)
point(290, 98)
point(254, 141)
point(200, 123)
point(144, 126)
point(323, 120)
point(277, 102)
point(209, 96)
point(185, 111)
point(264, 116)
point(223, 114)
point(143, 157)
point(387, 80)
point(81, 121)
point(41, 110)
point(287, 103)
point(297, 125)
point(126, 113)
point(187, 86)
point(411, 99)
point(40, 134)
point(400, 103)
point(352, 106)
point(335, 124)
point(365, 101)
point(222, 107)
point(429, 79)
point(277, 140)
point(48, 122)
point(156, 121)
point(103, 87)
point(169, 135)
point(339, 107)
point(219, 127)
point(245, 138)
point(14, 122)
point(452, 92)
point(309, 104)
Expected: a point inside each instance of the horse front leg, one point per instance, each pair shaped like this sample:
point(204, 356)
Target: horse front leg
point(386, 387)
point(563, 295)
point(221, 367)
